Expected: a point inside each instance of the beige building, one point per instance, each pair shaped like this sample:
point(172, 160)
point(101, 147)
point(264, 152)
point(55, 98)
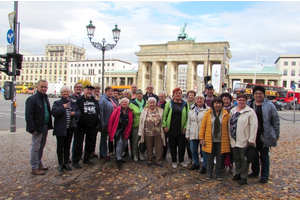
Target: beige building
point(289, 65)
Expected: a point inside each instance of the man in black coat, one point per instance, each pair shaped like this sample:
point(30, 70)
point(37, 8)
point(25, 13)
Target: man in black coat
point(38, 122)
point(150, 93)
point(88, 125)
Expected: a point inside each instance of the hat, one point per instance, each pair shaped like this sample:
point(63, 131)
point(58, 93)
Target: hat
point(199, 95)
point(96, 85)
point(139, 91)
point(89, 86)
point(209, 86)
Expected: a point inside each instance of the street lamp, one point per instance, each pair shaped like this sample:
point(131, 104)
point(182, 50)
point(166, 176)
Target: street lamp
point(102, 46)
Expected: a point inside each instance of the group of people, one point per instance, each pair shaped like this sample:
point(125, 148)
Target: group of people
point(205, 123)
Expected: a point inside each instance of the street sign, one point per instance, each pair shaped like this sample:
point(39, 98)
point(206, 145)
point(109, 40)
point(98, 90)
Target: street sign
point(10, 48)
point(10, 36)
point(293, 87)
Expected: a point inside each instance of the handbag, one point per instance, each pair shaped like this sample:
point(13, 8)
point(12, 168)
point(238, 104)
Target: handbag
point(142, 147)
point(118, 134)
point(73, 123)
point(251, 154)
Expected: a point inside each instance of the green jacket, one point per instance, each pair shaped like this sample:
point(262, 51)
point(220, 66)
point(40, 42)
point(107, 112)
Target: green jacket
point(136, 112)
point(168, 114)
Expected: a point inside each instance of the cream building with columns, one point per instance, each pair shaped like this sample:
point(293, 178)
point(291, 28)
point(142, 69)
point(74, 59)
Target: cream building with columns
point(152, 60)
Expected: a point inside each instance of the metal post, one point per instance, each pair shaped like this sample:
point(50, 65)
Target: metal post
point(14, 66)
point(102, 81)
point(206, 82)
point(294, 106)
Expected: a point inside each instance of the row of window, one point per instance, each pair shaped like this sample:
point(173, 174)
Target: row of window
point(95, 64)
point(44, 71)
point(293, 72)
point(33, 78)
point(40, 65)
point(293, 63)
point(284, 84)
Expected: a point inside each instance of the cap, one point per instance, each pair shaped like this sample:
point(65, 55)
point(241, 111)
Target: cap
point(89, 86)
point(209, 86)
point(199, 95)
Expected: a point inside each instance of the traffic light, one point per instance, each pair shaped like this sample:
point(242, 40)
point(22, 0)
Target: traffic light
point(206, 79)
point(18, 60)
point(7, 90)
point(6, 62)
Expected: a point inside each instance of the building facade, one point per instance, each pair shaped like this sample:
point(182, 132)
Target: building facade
point(289, 65)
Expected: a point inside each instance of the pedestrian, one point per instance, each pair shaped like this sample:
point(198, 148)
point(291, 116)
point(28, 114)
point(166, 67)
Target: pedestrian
point(77, 91)
point(38, 122)
point(174, 123)
point(137, 107)
point(214, 137)
point(133, 90)
point(150, 93)
point(63, 111)
point(151, 131)
point(107, 105)
point(243, 129)
point(267, 134)
point(228, 105)
point(120, 121)
point(88, 125)
point(195, 117)
point(162, 95)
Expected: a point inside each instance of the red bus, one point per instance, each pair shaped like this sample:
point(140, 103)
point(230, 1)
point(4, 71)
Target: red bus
point(246, 88)
point(287, 96)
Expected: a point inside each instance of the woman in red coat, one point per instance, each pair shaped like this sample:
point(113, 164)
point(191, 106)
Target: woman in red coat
point(119, 128)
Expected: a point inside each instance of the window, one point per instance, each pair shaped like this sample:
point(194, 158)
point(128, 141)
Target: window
point(55, 71)
point(71, 65)
point(112, 64)
point(99, 71)
point(285, 63)
point(60, 72)
point(99, 64)
point(26, 71)
point(292, 82)
point(32, 58)
point(107, 64)
point(91, 64)
point(66, 58)
point(41, 65)
point(293, 72)
point(65, 71)
point(71, 79)
point(65, 78)
point(41, 71)
point(293, 63)
point(99, 80)
point(299, 72)
point(60, 65)
point(82, 65)
point(71, 72)
point(36, 65)
point(123, 67)
point(45, 65)
point(37, 59)
point(284, 84)
point(28, 59)
point(285, 72)
point(42, 59)
point(74, 79)
point(45, 71)
point(50, 65)
point(65, 65)
point(87, 65)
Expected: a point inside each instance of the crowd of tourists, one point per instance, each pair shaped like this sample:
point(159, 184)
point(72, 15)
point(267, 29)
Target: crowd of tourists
point(145, 126)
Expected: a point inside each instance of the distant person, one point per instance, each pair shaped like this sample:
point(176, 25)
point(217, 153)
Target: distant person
point(133, 90)
point(96, 91)
point(116, 96)
point(191, 98)
point(150, 93)
point(38, 122)
point(63, 111)
point(77, 91)
point(88, 125)
point(162, 95)
point(268, 132)
point(209, 94)
point(127, 94)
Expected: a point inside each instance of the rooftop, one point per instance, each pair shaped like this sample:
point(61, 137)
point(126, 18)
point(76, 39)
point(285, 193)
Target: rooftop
point(265, 70)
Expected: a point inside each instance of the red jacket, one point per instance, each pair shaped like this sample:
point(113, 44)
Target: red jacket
point(113, 123)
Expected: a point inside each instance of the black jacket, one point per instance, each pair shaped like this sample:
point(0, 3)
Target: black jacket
point(35, 113)
point(59, 114)
point(153, 95)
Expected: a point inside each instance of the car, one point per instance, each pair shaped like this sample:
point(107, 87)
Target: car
point(281, 106)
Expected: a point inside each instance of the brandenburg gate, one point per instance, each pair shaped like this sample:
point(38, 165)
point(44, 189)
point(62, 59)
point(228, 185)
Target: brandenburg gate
point(152, 60)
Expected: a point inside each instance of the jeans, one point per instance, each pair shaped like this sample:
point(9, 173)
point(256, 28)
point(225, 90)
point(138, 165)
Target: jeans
point(120, 147)
point(204, 154)
point(103, 143)
point(38, 143)
point(264, 161)
point(194, 144)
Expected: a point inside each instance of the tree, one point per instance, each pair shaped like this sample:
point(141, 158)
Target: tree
point(85, 82)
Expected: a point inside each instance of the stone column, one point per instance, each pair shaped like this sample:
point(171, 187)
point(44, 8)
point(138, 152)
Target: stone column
point(266, 81)
point(143, 75)
point(126, 81)
point(172, 68)
point(154, 76)
point(191, 75)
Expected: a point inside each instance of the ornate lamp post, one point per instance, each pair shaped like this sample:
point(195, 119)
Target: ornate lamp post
point(102, 46)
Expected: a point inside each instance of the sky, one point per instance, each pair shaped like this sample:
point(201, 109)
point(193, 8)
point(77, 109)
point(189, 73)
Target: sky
point(267, 29)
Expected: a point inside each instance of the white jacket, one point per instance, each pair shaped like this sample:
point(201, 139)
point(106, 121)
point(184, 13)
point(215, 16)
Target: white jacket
point(246, 129)
point(194, 123)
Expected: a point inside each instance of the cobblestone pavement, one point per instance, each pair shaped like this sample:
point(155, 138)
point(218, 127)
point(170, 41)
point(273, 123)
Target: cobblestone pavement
point(138, 181)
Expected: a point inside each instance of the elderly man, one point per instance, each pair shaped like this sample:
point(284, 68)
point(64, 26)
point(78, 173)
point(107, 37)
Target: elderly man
point(133, 90)
point(77, 91)
point(150, 93)
point(38, 122)
point(209, 94)
point(88, 124)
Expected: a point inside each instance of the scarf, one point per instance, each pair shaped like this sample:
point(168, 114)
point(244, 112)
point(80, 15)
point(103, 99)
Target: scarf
point(160, 103)
point(113, 103)
point(217, 123)
point(197, 110)
point(140, 104)
point(233, 124)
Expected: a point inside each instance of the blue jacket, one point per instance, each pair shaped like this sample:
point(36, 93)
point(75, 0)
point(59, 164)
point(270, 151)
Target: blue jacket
point(35, 113)
point(106, 108)
point(59, 114)
point(271, 122)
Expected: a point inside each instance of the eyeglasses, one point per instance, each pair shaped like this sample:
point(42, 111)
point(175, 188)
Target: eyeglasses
point(161, 96)
point(78, 87)
point(242, 100)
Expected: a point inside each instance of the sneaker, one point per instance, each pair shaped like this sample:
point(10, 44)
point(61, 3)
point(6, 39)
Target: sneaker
point(189, 161)
point(174, 165)
point(203, 170)
point(193, 167)
point(208, 176)
point(76, 165)
point(263, 180)
point(107, 158)
point(88, 162)
point(38, 172)
point(242, 181)
point(252, 175)
point(219, 177)
point(142, 157)
point(236, 177)
point(183, 164)
point(135, 158)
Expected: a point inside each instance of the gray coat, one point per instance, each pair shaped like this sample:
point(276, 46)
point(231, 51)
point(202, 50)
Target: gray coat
point(271, 122)
point(106, 108)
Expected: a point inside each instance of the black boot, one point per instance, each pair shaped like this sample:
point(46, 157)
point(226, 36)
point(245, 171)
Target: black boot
point(236, 177)
point(242, 181)
point(67, 167)
point(60, 168)
point(203, 170)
